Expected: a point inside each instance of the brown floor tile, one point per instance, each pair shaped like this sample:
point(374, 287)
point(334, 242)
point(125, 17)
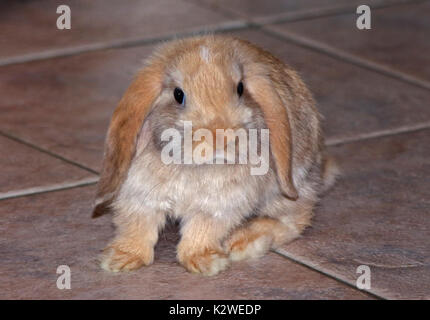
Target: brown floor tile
point(30, 26)
point(399, 37)
point(64, 104)
point(376, 215)
point(353, 101)
point(24, 169)
point(258, 8)
point(38, 233)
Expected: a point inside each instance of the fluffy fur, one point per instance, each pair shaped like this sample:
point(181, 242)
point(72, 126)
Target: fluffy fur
point(225, 212)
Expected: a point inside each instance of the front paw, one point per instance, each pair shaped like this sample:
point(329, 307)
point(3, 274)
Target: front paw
point(115, 259)
point(244, 245)
point(209, 262)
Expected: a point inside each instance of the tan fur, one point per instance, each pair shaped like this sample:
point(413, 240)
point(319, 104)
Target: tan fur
point(277, 121)
point(124, 128)
point(134, 243)
point(263, 233)
point(200, 249)
point(330, 172)
point(214, 203)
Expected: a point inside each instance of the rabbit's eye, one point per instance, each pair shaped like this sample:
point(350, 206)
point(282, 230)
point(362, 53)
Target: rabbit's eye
point(240, 89)
point(179, 96)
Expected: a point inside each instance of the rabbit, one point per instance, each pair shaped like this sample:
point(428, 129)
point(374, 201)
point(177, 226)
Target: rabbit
point(225, 212)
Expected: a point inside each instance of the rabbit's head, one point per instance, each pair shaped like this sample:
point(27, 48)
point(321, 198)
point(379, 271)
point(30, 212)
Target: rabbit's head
point(214, 83)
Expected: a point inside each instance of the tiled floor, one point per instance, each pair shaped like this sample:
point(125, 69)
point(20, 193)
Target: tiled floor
point(58, 89)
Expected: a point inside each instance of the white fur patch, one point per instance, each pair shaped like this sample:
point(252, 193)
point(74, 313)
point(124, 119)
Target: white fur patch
point(205, 54)
point(176, 76)
point(218, 264)
point(247, 114)
point(253, 250)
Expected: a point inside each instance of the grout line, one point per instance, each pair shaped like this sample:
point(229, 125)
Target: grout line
point(228, 13)
point(238, 25)
point(263, 24)
point(297, 15)
point(235, 25)
point(344, 56)
point(52, 154)
point(378, 134)
point(326, 273)
point(303, 15)
point(223, 27)
point(50, 188)
point(243, 23)
point(93, 180)
point(123, 43)
point(326, 12)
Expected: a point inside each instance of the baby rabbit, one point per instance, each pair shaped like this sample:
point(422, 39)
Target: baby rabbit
point(226, 212)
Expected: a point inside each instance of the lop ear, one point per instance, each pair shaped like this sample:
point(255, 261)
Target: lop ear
point(126, 123)
point(275, 114)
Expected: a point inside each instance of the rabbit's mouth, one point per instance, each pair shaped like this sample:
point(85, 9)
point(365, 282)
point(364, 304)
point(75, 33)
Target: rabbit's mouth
point(220, 157)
